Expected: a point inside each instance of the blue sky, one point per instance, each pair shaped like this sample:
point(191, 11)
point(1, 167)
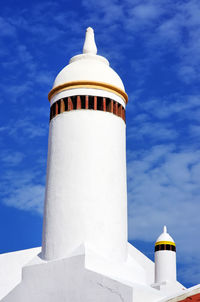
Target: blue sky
point(154, 46)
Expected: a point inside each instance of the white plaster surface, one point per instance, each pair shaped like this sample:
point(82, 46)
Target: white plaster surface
point(89, 66)
point(11, 268)
point(165, 261)
point(136, 269)
point(67, 280)
point(88, 69)
point(89, 44)
point(129, 271)
point(82, 276)
point(165, 266)
point(144, 262)
point(86, 190)
point(168, 288)
point(165, 236)
point(143, 293)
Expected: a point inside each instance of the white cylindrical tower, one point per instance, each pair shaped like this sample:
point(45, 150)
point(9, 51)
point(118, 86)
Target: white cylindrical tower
point(86, 190)
point(165, 258)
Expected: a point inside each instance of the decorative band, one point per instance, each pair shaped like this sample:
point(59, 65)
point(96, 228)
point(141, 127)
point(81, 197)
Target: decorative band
point(165, 242)
point(88, 84)
point(87, 102)
point(165, 247)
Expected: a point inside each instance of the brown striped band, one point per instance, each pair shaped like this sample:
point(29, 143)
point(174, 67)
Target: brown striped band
point(165, 247)
point(87, 102)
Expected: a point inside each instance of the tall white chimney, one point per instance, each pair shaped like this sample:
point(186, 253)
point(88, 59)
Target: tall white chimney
point(86, 190)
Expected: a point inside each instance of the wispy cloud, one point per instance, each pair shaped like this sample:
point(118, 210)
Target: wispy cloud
point(28, 129)
point(195, 131)
point(190, 268)
point(154, 131)
point(28, 198)
point(25, 128)
point(11, 158)
point(167, 112)
point(7, 29)
point(20, 189)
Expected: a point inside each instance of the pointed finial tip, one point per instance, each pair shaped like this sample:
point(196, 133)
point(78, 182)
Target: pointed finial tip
point(90, 29)
point(89, 46)
point(164, 229)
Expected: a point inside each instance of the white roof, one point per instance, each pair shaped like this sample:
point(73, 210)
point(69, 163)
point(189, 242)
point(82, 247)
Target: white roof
point(12, 264)
point(89, 67)
point(11, 268)
point(165, 236)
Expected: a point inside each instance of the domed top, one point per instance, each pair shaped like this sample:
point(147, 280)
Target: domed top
point(89, 69)
point(165, 238)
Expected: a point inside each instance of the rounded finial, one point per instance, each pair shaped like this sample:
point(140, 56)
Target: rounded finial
point(164, 229)
point(89, 46)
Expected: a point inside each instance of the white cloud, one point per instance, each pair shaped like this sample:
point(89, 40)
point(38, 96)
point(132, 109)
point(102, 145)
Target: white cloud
point(11, 158)
point(150, 130)
point(191, 269)
point(146, 11)
point(141, 15)
point(22, 190)
point(27, 128)
point(195, 131)
point(7, 29)
point(104, 8)
point(184, 106)
point(28, 198)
